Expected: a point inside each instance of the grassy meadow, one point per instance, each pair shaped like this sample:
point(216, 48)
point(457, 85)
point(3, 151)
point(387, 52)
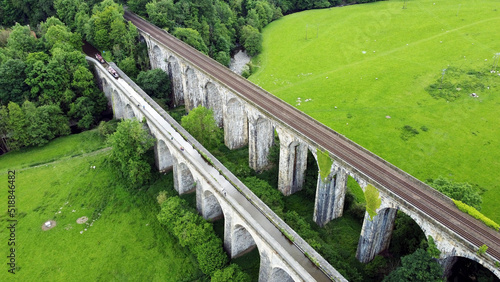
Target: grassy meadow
point(364, 71)
point(122, 239)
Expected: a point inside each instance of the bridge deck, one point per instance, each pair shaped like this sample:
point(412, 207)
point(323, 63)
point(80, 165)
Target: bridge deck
point(414, 192)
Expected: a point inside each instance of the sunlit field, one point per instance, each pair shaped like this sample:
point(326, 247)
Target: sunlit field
point(376, 73)
point(122, 239)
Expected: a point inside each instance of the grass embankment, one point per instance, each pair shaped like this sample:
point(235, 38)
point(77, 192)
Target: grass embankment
point(123, 240)
point(366, 69)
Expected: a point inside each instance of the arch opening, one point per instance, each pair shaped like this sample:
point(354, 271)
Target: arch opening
point(183, 179)
point(242, 241)
point(457, 268)
point(210, 208)
point(163, 156)
point(280, 275)
point(157, 61)
point(129, 112)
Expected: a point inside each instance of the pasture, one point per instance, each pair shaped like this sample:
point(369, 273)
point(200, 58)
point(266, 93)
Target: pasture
point(122, 239)
point(367, 72)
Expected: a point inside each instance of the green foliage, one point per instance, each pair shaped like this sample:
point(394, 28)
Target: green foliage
point(130, 143)
point(459, 191)
point(406, 236)
point(419, 266)
point(128, 66)
point(156, 83)
point(476, 214)
point(21, 42)
point(482, 250)
point(270, 196)
point(229, 274)
point(162, 197)
point(121, 224)
point(251, 39)
point(191, 37)
point(31, 125)
point(458, 83)
point(12, 85)
point(432, 250)
point(160, 13)
point(200, 123)
point(106, 128)
point(407, 132)
point(193, 232)
point(373, 200)
point(325, 163)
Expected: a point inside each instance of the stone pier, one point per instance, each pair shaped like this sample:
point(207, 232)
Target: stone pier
point(375, 234)
point(330, 195)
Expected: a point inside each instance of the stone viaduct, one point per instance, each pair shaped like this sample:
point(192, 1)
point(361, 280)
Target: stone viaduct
point(248, 222)
point(245, 123)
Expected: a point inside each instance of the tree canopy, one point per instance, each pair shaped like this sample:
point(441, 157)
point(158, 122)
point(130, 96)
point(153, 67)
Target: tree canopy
point(130, 143)
point(200, 123)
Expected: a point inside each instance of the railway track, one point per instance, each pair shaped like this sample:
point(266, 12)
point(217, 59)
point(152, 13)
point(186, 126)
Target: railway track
point(418, 195)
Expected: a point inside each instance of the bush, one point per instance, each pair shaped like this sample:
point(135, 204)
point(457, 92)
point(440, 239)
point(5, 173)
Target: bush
point(193, 232)
point(107, 128)
point(476, 214)
point(229, 274)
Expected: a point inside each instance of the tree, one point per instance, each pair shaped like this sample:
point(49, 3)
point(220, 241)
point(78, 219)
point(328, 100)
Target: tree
point(12, 85)
point(251, 39)
point(231, 273)
point(419, 266)
point(130, 143)
point(44, 123)
point(191, 37)
point(459, 191)
point(4, 130)
point(161, 13)
point(200, 123)
point(156, 83)
point(17, 125)
point(21, 42)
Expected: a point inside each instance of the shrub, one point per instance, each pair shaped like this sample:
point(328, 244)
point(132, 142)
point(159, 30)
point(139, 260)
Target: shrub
point(476, 214)
point(230, 273)
point(482, 250)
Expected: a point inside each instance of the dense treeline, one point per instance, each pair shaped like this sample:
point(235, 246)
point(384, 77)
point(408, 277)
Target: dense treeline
point(217, 27)
point(47, 74)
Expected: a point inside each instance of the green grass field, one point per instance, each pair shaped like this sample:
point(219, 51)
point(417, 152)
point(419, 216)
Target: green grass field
point(123, 240)
point(362, 64)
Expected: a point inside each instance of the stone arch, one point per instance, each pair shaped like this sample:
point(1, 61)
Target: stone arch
point(241, 241)
point(164, 159)
point(174, 71)
point(192, 99)
point(157, 61)
point(455, 266)
point(280, 275)
point(183, 179)
point(235, 125)
point(210, 207)
point(213, 101)
point(129, 112)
